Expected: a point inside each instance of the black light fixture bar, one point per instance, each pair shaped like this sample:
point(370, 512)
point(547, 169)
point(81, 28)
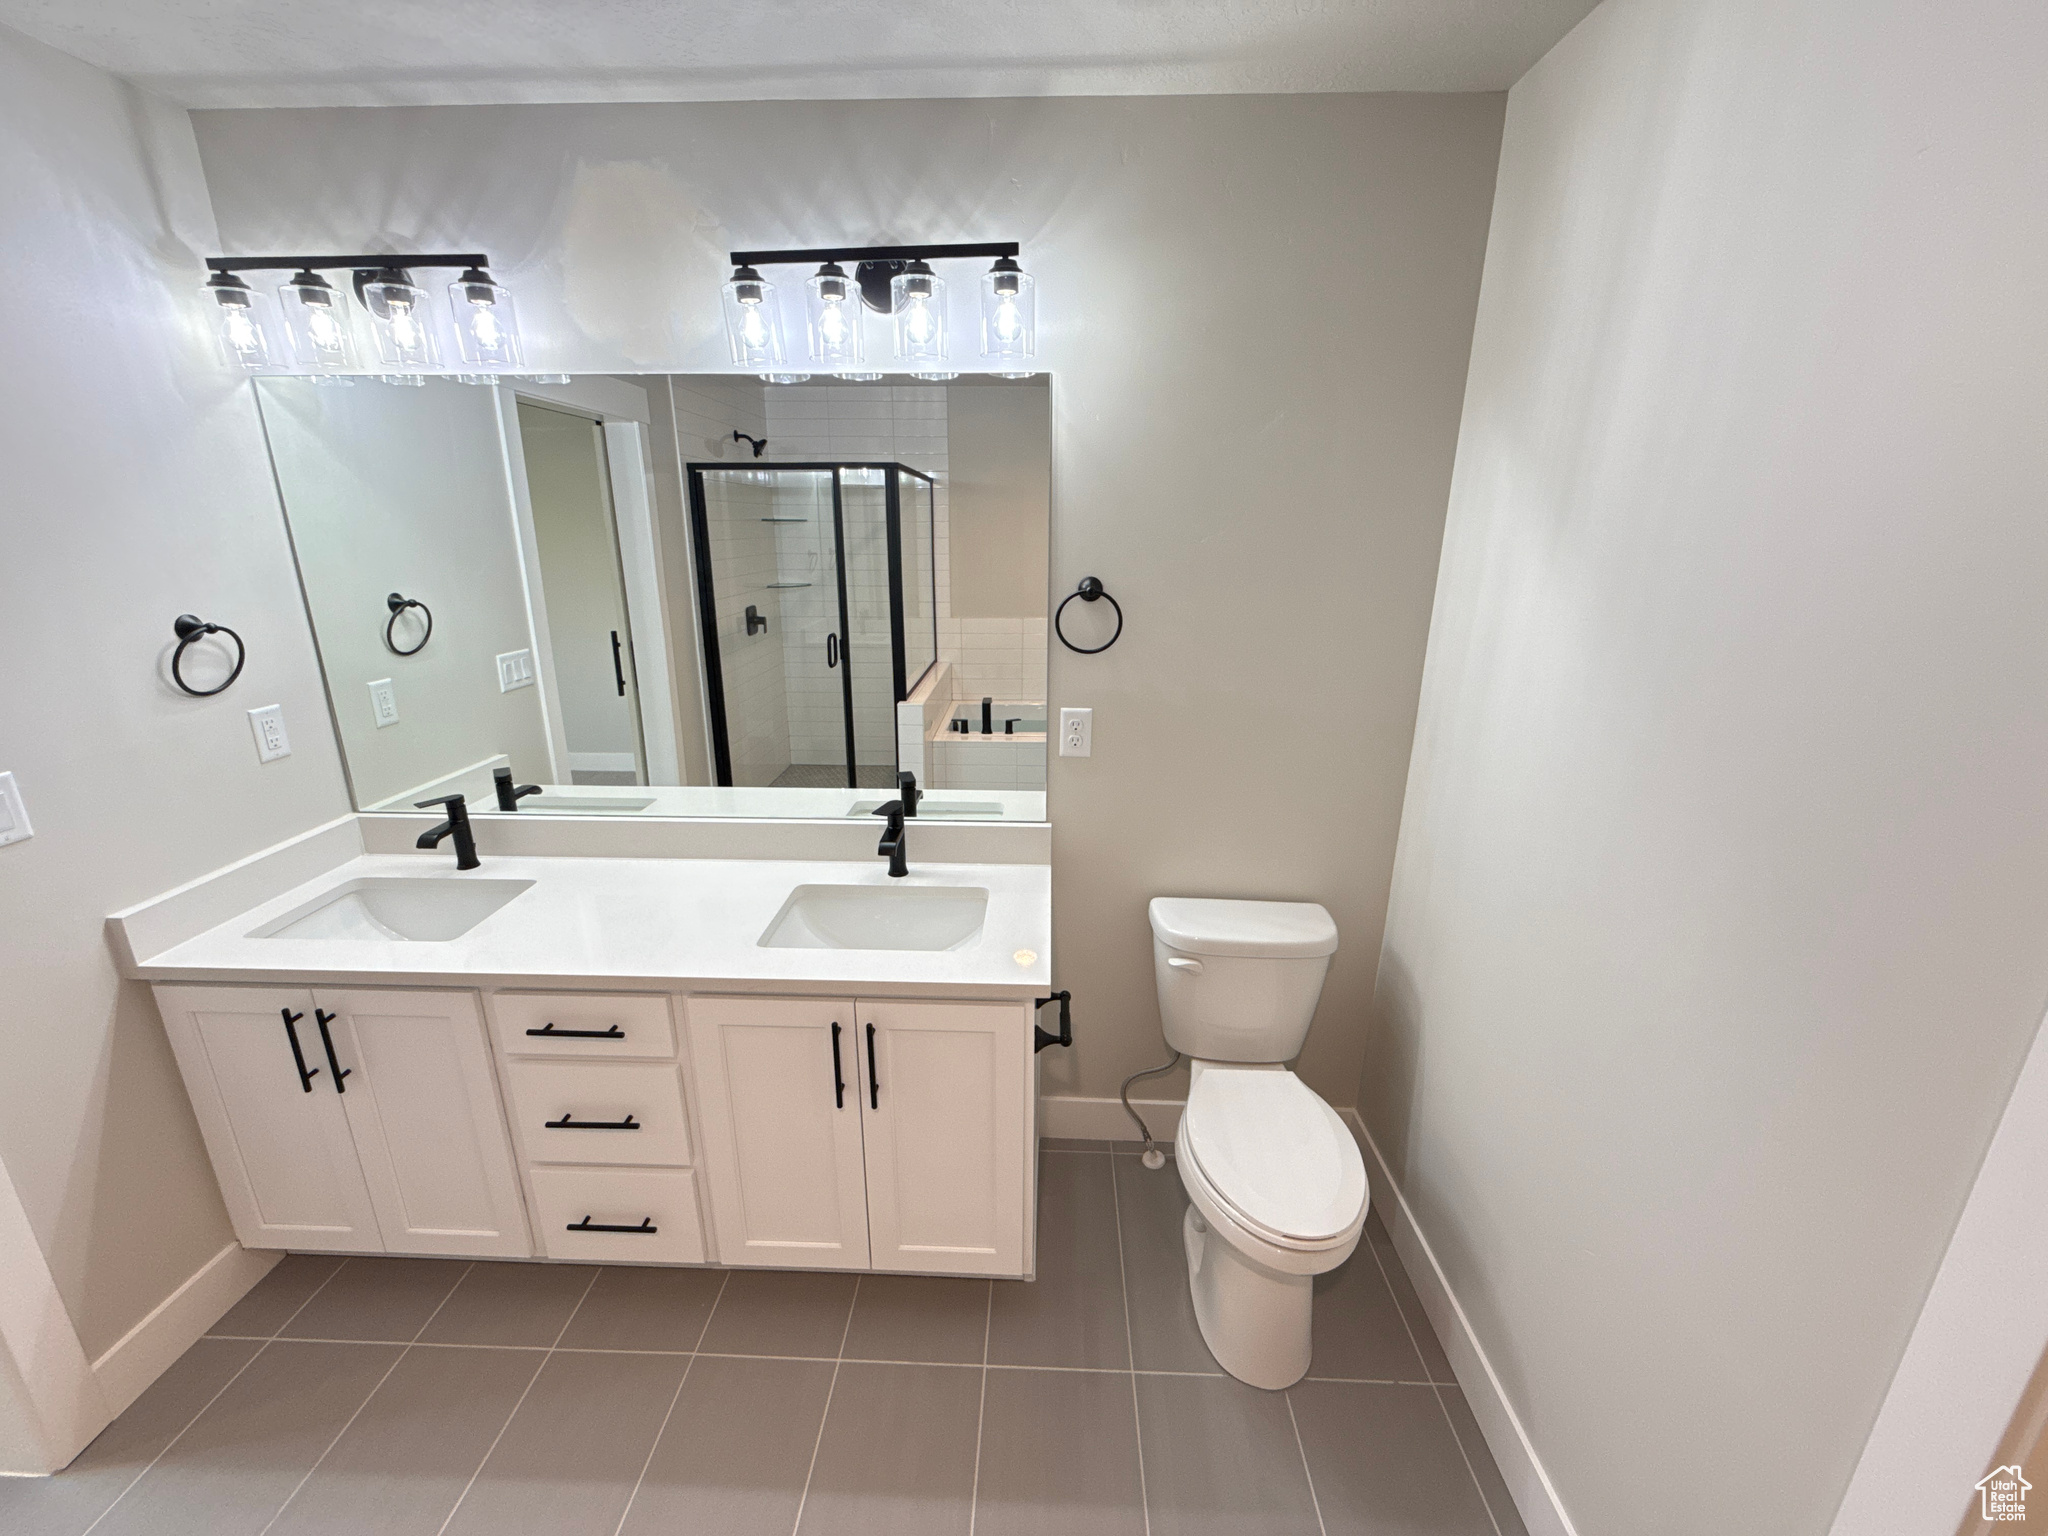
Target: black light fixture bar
point(370, 263)
point(871, 253)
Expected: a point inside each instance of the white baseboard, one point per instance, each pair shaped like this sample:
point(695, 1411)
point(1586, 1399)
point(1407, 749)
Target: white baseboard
point(1535, 1497)
point(1104, 1119)
point(146, 1351)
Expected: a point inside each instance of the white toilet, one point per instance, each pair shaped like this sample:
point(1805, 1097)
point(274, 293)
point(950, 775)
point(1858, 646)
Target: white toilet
point(1276, 1183)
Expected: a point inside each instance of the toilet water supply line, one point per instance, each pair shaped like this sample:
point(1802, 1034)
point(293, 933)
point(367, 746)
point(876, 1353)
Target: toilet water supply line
point(1153, 1157)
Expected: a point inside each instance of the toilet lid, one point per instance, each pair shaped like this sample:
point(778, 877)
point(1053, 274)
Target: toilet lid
point(1275, 1153)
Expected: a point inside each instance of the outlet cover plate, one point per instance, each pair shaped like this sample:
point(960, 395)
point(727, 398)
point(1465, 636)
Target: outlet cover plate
point(383, 703)
point(267, 724)
point(1077, 732)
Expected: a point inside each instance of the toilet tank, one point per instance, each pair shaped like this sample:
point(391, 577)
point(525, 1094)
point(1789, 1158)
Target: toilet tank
point(1238, 980)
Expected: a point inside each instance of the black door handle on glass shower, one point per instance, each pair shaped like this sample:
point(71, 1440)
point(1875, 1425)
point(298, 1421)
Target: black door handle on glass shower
point(323, 1019)
point(618, 664)
point(874, 1088)
point(838, 1076)
point(831, 650)
point(298, 1056)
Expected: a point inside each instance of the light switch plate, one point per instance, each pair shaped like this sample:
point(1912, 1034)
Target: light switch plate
point(515, 670)
point(268, 725)
point(383, 703)
point(1077, 732)
point(14, 827)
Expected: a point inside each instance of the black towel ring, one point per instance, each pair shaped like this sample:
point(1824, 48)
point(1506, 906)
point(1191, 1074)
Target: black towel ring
point(397, 606)
point(1089, 590)
point(188, 628)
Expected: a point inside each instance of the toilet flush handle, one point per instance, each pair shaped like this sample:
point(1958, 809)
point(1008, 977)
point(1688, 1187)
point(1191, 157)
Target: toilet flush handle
point(1192, 967)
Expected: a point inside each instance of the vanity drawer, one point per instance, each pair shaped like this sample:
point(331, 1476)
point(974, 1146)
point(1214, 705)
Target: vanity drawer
point(594, 1096)
point(583, 1024)
point(662, 1198)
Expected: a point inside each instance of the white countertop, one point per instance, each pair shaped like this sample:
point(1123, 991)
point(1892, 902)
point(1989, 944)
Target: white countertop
point(606, 922)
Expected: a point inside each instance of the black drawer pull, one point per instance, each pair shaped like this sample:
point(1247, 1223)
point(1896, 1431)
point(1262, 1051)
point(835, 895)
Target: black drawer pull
point(568, 1122)
point(646, 1226)
point(838, 1076)
point(874, 1088)
point(298, 1056)
point(323, 1019)
point(552, 1033)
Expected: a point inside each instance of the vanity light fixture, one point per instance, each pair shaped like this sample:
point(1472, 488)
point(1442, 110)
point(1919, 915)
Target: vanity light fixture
point(1009, 317)
point(237, 324)
point(893, 280)
point(316, 324)
point(917, 298)
point(753, 325)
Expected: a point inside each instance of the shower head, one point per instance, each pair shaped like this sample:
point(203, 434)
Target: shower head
point(760, 443)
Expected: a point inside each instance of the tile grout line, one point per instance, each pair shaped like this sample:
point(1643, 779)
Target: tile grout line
point(655, 1444)
point(254, 1356)
point(1436, 1389)
point(1313, 1497)
point(811, 1471)
point(404, 1350)
point(491, 1449)
point(988, 1320)
point(1130, 1348)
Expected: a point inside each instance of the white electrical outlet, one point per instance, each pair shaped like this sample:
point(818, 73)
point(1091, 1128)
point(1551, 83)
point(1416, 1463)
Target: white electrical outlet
point(384, 703)
point(515, 670)
point(14, 827)
point(1077, 732)
point(271, 741)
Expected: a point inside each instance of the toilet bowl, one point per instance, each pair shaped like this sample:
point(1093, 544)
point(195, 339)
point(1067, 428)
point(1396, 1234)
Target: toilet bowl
point(1276, 1186)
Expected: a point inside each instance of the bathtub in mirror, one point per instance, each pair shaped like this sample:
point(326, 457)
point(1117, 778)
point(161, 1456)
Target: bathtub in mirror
point(596, 596)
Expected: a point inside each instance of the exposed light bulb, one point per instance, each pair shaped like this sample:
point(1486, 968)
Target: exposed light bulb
point(917, 321)
point(325, 332)
point(1009, 325)
point(403, 340)
point(753, 329)
point(241, 330)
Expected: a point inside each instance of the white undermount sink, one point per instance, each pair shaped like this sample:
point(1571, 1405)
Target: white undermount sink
point(427, 910)
point(878, 917)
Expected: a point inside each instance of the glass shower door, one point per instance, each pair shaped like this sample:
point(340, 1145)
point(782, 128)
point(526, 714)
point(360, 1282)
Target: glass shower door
point(870, 684)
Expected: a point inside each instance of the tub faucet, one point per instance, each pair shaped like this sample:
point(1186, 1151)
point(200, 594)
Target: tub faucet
point(894, 839)
point(988, 717)
point(456, 826)
point(509, 796)
point(908, 792)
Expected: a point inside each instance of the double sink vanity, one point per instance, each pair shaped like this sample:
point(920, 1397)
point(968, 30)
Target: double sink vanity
point(767, 1061)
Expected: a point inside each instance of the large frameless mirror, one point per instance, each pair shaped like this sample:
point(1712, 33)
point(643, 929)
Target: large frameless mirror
point(657, 595)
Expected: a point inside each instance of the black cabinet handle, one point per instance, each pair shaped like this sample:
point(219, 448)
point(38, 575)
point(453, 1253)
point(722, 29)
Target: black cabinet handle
point(298, 1056)
point(646, 1227)
point(568, 1122)
point(323, 1019)
point(552, 1033)
point(874, 1088)
point(618, 665)
point(838, 1076)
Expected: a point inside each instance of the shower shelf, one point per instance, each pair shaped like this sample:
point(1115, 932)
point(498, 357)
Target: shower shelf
point(785, 519)
point(784, 586)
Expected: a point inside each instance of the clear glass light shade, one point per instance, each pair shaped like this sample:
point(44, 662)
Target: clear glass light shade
point(785, 378)
point(238, 322)
point(832, 310)
point(1009, 315)
point(398, 315)
point(859, 378)
point(917, 300)
point(753, 324)
point(315, 321)
point(486, 325)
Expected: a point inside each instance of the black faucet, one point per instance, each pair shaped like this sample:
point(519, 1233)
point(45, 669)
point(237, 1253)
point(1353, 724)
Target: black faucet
point(456, 826)
point(894, 839)
point(988, 717)
point(908, 792)
point(508, 797)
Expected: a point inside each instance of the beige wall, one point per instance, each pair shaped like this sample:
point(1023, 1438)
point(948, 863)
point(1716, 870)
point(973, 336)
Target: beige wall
point(1265, 502)
point(1717, 927)
point(135, 489)
point(999, 483)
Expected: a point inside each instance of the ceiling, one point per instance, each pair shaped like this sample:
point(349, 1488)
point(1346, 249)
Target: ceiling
point(289, 53)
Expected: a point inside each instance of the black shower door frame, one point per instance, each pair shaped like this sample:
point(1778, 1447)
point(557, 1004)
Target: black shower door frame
point(707, 604)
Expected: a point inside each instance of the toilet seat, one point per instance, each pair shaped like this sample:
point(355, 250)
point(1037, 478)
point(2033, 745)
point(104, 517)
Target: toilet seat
point(1275, 1157)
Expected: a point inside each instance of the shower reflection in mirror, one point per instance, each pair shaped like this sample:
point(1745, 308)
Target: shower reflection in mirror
point(641, 612)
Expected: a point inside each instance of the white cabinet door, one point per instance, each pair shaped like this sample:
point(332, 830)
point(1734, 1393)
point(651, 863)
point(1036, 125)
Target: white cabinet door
point(423, 1103)
point(943, 1091)
point(781, 1129)
point(279, 1138)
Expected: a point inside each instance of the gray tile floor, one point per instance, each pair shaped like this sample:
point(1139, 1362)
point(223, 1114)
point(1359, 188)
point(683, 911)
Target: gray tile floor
point(427, 1396)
